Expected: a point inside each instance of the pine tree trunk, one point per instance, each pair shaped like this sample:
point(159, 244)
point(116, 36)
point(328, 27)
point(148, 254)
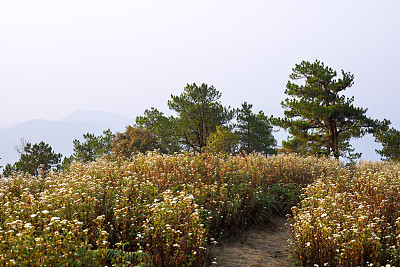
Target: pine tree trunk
point(334, 137)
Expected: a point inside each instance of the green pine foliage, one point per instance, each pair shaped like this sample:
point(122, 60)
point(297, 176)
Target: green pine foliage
point(199, 113)
point(390, 140)
point(93, 146)
point(319, 117)
point(254, 131)
point(161, 127)
point(90, 149)
point(35, 159)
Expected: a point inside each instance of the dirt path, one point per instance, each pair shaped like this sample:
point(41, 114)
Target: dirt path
point(266, 246)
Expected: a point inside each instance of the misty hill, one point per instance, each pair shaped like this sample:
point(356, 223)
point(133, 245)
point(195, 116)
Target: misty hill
point(110, 120)
point(59, 134)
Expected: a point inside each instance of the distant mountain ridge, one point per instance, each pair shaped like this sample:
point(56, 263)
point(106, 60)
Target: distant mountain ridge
point(113, 121)
point(58, 134)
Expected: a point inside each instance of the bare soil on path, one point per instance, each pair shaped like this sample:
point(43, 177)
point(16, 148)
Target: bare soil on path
point(263, 246)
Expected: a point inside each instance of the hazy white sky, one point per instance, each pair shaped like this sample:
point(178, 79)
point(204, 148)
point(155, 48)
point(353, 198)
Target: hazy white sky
point(126, 56)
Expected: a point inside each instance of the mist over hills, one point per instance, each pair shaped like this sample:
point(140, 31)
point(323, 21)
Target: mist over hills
point(112, 121)
point(58, 134)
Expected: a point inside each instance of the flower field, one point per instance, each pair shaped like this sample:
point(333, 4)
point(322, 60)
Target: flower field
point(169, 210)
point(350, 218)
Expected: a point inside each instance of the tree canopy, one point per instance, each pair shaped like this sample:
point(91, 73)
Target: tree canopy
point(93, 146)
point(161, 127)
point(319, 117)
point(34, 158)
point(254, 131)
point(390, 140)
point(223, 140)
point(199, 112)
point(133, 140)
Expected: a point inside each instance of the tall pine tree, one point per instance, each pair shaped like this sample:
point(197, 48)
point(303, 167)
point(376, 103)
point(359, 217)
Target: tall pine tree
point(199, 113)
point(319, 117)
point(254, 131)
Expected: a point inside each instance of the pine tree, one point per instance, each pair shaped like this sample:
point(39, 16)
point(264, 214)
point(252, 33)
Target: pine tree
point(93, 146)
point(199, 113)
point(254, 131)
point(34, 159)
point(390, 140)
point(319, 117)
point(161, 127)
